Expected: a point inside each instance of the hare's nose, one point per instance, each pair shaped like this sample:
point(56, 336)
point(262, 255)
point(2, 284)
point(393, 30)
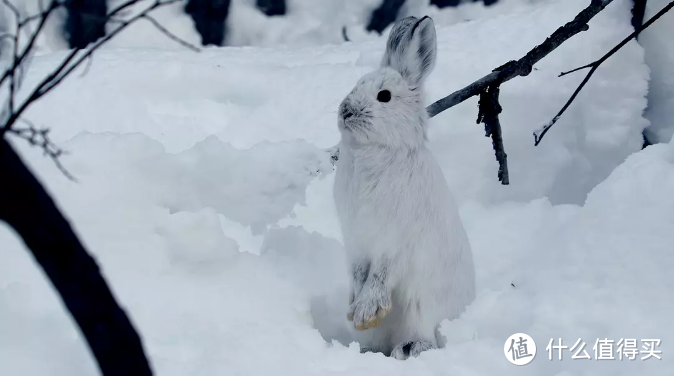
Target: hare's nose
point(347, 115)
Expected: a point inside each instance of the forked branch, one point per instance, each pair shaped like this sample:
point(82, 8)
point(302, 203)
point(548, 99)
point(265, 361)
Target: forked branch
point(32, 213)
point(538, 134)
point(523, 66)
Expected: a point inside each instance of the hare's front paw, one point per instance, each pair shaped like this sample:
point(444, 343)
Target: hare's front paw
point(369, 308)
point(359, 272)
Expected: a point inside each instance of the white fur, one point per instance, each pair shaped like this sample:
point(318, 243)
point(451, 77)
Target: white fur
point(411, 260)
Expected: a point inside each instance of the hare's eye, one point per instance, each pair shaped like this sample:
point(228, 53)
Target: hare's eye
point(384, 96)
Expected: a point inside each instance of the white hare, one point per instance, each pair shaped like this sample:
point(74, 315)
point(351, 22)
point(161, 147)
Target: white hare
point(410, 258)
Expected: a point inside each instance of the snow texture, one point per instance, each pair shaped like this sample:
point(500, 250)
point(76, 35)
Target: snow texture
point(206, 197)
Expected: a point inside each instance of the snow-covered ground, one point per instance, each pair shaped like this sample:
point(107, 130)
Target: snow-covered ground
point(205, 194)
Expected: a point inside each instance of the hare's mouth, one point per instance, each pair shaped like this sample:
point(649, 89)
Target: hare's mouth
point(356, 122)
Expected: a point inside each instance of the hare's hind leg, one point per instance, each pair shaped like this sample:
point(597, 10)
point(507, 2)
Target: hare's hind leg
point(411, 349)
point(374, 340)
point(417, 332)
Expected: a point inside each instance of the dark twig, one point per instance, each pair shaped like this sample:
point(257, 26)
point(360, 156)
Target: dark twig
point(40, 138)
point(90, 61)
point(170, 35)
point(523, 66)
point(539, 133)
point(66, 68)
point(15, 52)
point(344, 35)
point(13, 9)
point(28, 49)
point(489, 109)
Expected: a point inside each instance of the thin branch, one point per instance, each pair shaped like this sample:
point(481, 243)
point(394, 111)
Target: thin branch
point(13, 9)
point(523, 66)
point(90, 61)
point(489, 109)
point(515, 68)
point(61, 73)
point(15, 52)
point(344, 35)
point(539, 133)
point(40, 138)
point(43, 20)
point(169, 34)
point(10, 115)
point(66, 68)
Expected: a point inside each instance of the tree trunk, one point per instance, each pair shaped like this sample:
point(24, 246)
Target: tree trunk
point(454, 3)
point(85, 22)
point(384, 15)
point(445, 3)
point(638, 11)
point(29, 209)
point(209, 19)
point(272, 7)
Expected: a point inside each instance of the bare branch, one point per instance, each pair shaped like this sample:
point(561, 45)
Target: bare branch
point(523, 66)
point(539, 133)
point(90, 61)
point(15, 47)
point(489, 109)
point(112, 339)
point(40, 138)
point(344, 36)
point(17, 63)
point(170, 34)
point(507, 72)
point(13, 9)
point(66, 68)
point(12, 113)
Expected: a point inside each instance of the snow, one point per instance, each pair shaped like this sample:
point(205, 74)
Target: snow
point(205, 194)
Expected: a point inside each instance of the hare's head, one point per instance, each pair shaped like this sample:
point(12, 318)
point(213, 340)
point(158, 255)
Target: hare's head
point(386, 106)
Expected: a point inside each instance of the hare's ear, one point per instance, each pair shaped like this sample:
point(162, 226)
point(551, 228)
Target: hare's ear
point(411, 49)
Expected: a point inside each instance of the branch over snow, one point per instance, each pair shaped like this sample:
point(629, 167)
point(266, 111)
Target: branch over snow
point(32, 213)
point(77, 56)
point(40, 138)
point(30, 210)
point(523, 66)
point(538, 134)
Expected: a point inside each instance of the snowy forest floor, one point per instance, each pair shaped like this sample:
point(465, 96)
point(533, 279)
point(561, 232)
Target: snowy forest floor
point(205, 195)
